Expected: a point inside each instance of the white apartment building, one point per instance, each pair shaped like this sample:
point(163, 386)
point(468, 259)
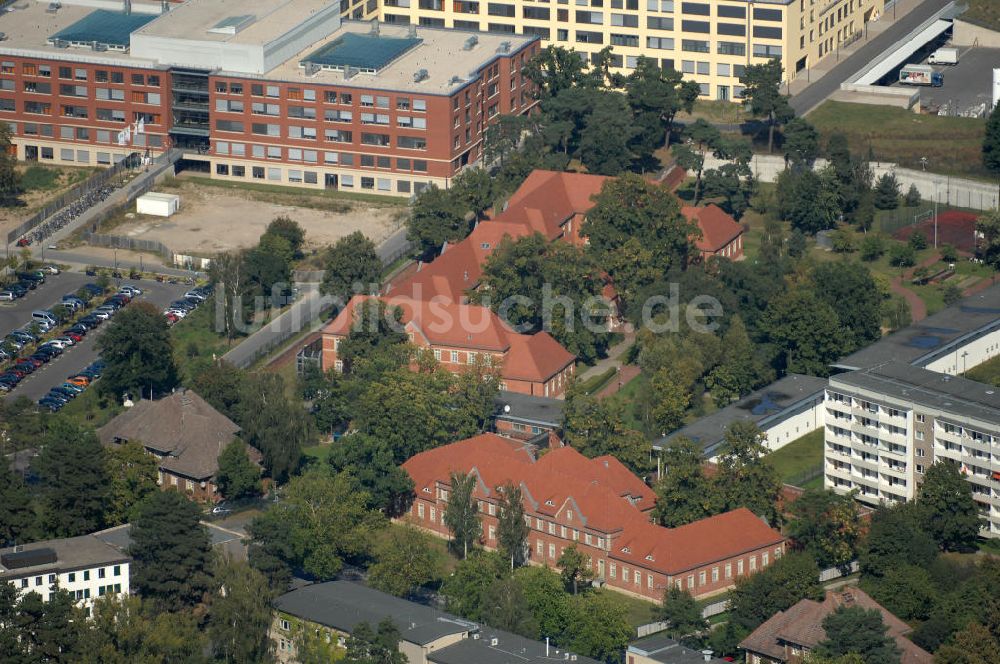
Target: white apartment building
point(885, 425)
point(85, 566)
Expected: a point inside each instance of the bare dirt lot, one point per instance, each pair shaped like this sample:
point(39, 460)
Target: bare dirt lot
point(213, 219)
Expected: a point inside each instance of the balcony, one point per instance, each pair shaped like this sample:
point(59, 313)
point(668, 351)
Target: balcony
point(188, 105)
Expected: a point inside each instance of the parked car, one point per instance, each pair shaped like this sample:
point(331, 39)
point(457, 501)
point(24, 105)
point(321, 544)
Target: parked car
point(196, 295)
point(70, 341)
point(78, 329)
point(79, 380)
point(7, 296)
point(63, 391)
point(101, 314)
point(51, 269)
point(221, 508)
point(75, 389)
point(25, 366)
point(131, 290)
point(179, 313)
point(55, 343)
point(93, 289)
point(75, 336)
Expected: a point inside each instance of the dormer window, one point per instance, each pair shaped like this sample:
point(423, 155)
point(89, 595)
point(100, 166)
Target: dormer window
point(427, 489)
point(550, 503)
point(625, 549)
point(649, 557)
point(569, 515)
point(484, 245)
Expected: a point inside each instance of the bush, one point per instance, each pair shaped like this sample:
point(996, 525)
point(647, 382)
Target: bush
point(902, 255)
point(843, 241)
point(872, 247)
point(918, 241)
point(912, 197)
point(949, 254)
point(952, 294)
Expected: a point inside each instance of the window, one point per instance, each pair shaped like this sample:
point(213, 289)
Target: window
point(410, 142)
point(731, 29)
point(695, 46)
point(690, 581)
point(274, 174)
point(729, 11)
point(702, 578)
point(660, 22)
point(697, 8)
point(766, 51)
point(663, 43)
point(419, 104)
point(731, 48)
point(696, 26)
point(766, 32)
point(761, 14)
point(381, 140)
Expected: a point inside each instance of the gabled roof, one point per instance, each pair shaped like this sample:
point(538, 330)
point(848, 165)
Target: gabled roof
point(182, 427)
point(802, 625)
point(443, 322)
point(460, 266)
point(603, 493)
point(717, 228)
point(546, 199)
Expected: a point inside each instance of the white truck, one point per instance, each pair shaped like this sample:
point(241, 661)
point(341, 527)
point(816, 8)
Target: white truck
point(944, 56)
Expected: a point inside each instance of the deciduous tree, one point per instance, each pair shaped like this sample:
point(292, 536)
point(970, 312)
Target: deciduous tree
point(17, 516)
point(949, 513)
point(138, 351)
point(372, 462)
point(850, 290)
point(351, 266)
point(272, 423)
point(10, 179)
point(437, 216)
point(132, 472)
point(368, 646)
point(405, 560)
point(777, 587)
point(681, 612)
point(512, 531)
point(801, 145)
point(465, 588)
point(991, 142)
point(683, 493)
point(240, 615)
point(600, 627)
point(859, 631)
point(461, 516)
point(805, 329)
point(826, 525)
point(762, 94)
point(746, 477)
point(574, 566)
point(238, 477)
point(895, 537)
point(656, 95)
point(285, 227)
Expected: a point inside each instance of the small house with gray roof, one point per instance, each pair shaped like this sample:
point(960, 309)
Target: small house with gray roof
point(185, 434)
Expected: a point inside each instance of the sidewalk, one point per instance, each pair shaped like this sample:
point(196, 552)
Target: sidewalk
point(613, 360)
point(918, 310)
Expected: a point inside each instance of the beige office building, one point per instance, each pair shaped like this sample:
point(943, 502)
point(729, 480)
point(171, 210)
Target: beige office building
point(709, 41)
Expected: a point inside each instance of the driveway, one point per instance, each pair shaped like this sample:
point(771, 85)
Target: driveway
point(907, 20)
point(75, 358)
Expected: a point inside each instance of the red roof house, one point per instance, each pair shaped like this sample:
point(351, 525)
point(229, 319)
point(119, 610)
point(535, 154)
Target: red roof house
point(459, 334)
point(553, 203)
point(720, 234)
point(603, 508)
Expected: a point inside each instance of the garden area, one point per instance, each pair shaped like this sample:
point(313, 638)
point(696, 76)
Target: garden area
point(800, 462)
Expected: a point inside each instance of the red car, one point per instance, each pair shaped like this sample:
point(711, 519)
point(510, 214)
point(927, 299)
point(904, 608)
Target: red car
point(75, 337)
point(23, 242)
point(20, 373)
point(35, 361)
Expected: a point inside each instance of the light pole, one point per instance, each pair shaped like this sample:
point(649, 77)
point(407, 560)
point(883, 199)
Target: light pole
point(937, 183)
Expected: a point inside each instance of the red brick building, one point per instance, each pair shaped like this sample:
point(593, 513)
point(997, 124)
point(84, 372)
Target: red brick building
point(603, 508)
point(280, 91)
point(720, 234)
point(460, 335)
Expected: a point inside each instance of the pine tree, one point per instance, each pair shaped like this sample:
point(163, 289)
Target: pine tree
point(17, 517)
point(991, 142)
point(74, 479)
point(171, 551)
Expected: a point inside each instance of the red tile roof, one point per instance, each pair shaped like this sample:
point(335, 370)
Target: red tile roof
point(603, 493)
point(460, 266)
point(546, 199)
point(802, 625)
point(443, 322)
point(717, 228)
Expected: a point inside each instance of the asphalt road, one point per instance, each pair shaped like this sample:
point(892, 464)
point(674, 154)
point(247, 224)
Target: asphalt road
point(966, 85)
point(75, 358)
point(18, 313)
point(816, 93)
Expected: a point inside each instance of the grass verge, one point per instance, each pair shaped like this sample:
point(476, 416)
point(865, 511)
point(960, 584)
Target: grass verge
point(987, 372)
point(280, 194)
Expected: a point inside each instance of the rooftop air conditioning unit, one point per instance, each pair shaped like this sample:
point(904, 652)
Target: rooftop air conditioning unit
point(350, 72)
point(504, 47)
point(374, 24)
point(311, 68)
point(99, 47)
point(420, 75)
point(471, 42)
point(411, 31)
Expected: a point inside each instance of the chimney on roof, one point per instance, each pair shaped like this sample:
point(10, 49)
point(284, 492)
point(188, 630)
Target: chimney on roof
point(127, 7)
point(374, 24)
point(164, 6)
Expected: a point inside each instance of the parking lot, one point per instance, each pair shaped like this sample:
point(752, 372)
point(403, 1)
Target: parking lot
point(75, 358)
point(966, 85)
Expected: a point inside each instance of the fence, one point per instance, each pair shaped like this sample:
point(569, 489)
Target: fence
point(129, 243)
point(96, 181)
point(890, 221)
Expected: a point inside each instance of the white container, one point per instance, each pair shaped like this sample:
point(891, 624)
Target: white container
point(159, 205)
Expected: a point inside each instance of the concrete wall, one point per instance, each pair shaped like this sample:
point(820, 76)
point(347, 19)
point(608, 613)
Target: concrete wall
point(807, 418)
point(966, 34)
point(978, 351)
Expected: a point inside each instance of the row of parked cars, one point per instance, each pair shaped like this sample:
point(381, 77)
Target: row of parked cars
point(60, 395)
point(44, 321)
point(178, 309)
point(27, 280)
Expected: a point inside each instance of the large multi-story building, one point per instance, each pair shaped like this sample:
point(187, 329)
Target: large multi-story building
point(281, 92)
point(599, 506)
point(886, 425)
point(85, 566)
point(711, 41)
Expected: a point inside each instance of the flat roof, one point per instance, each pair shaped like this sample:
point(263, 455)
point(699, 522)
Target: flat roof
point(367, 52)
point(766, 404)
point(120, 537)
point(529, 409)
point(103, 27)
point(496, 646)
point(71, 553)
point(341, 605)
point(29, 26)
point(255, 22)
point(442, 53)
point(662, 648)
point(929, 339)
point(951, 394)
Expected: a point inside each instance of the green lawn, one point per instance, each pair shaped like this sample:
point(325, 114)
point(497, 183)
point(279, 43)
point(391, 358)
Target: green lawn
point(893, 134)
point(196, 342)
point(306, 197)
point(90, 409)
point(639, 611)
point(800, 459)
point(987, 372)
point(983, 12)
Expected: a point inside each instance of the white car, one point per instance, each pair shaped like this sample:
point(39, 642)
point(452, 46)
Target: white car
point(7, 296)
point(180, 313)
point(103, 315)
point(130, 290)
point(195, 295)
point(50, 269)
point(67, 340)
point(58, 343)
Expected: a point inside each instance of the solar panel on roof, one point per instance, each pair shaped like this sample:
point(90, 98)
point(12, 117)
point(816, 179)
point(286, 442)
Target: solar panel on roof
point(32, 558)
point(103, 26)
point(924, 341)
point(365, 52)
